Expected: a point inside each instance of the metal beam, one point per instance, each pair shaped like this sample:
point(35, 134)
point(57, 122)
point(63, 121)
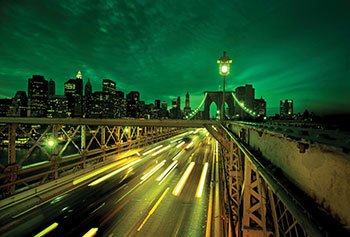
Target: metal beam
point(115, 122)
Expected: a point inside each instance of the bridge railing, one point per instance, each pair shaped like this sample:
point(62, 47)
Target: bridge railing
point(39, 151)
point(257, 200)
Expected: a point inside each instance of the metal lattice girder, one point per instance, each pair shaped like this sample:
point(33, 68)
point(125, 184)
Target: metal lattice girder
point(260, 214)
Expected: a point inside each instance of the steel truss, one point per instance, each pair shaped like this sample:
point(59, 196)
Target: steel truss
point(90, 144)
point(255, 204)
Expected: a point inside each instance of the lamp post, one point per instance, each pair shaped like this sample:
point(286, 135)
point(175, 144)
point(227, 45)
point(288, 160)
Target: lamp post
point(224, 70)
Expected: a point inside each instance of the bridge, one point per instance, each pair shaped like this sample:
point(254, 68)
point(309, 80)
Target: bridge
point(172, 177)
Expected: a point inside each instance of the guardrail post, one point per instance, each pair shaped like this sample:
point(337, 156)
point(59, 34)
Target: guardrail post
point(12, 168)
point(83, 145)
point(103, 142)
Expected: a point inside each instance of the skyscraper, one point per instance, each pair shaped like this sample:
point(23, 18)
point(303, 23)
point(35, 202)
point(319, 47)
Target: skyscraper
point(286, 109)
point(132, 100)
point(38, 96)
point(187, 104)
point(73, 90)
point(19, 105)
point(244, 94)
point(260, 107)
point(187, 109)
point(51, 87)
point(87, 99)
point(157, 104)
point(108, 86)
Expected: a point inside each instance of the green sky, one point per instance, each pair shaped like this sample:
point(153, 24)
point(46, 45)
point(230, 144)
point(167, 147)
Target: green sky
point(293, 49)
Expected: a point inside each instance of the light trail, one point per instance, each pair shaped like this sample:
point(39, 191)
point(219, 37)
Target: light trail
point(91, 232)
point(161, 150)
point(166, 171)
point(152, 171)
point(147, 152)
point(183, 179)
point(202, 180)
point(113, 173)
point(94, 173)
point(180, 144)
point(167, 174)
point(153, 209)
point(176, 140)
point(47, 230)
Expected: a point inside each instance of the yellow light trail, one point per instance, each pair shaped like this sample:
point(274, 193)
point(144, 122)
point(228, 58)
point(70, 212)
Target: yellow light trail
point(92, 174)
point(47, 230)
point(176, 140)
point(202, 180)
point(161, 150)
point(167, 174)
point(152, 171)
point(91, 232)
point(180, 144)
point(147, 152)
point(113, 173)
point(153, 209)
point(183, 179)
point(166, 171)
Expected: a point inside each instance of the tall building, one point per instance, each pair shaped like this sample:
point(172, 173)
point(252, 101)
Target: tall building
point(57, 106)
point(87, 99)
point(108, 86)
point(19, 105)
point(260, 107)
point(187, 109)
point(286, 109)
point(73, 90)
point(164, 110)
point(38, 95)
point(120, 94)
point(88, 88)
point(157, 104)
point(4, 107)
point(132, 100)
point(51, 87)
point(244, 94)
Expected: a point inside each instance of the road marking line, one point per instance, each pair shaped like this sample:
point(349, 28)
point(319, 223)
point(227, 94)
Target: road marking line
point(183, 179)
point(153, 209)
point(47, 230)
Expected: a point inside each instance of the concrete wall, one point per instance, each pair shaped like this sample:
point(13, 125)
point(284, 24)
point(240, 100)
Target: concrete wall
point(322, 171)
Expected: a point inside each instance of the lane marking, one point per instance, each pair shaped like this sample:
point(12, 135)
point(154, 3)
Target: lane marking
point(202, 181)
point(153, 209)
point(183, 179)
point(47, 230)
point(91, 232)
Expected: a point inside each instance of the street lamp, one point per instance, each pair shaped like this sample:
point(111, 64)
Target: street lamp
point(224, 67)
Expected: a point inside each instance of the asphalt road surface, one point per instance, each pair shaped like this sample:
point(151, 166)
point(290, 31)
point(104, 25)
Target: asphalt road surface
point(154, 192)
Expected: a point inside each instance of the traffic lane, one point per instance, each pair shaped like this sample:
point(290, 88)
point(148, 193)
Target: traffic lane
point(110, 211)
point(181, 215)
point(61, 207)
point(69, 209)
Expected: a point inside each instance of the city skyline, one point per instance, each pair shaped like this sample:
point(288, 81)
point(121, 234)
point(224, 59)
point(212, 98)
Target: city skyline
point(286, 49)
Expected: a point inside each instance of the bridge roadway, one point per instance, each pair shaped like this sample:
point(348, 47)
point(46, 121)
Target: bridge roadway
point(138, 199)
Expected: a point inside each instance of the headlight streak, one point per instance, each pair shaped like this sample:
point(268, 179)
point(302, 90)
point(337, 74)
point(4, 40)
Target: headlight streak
point(113, 173)
point(178, 154)
point(166, 171)
point(180, 144)
point(152, 171)
point(202, 181)
point(91, 232)
point(173, 141)
point(183, 179)
point(167, 174)
point(147, 152)
point(47, 230)
point(94, 173)
point(161, 150)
